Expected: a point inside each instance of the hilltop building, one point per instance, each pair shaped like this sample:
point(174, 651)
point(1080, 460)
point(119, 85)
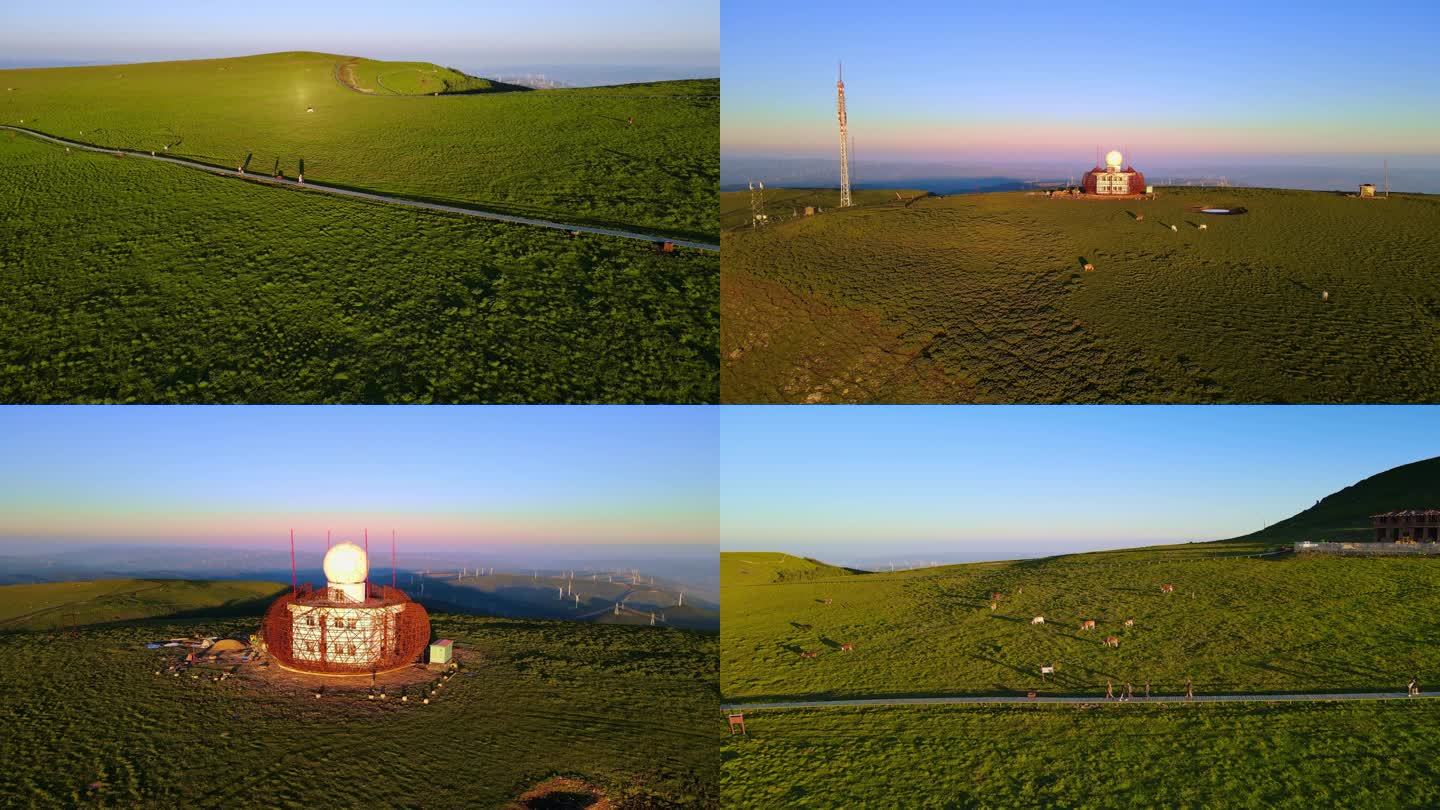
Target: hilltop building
point(1112, 180)
point(350, 625)
point(1409, 525)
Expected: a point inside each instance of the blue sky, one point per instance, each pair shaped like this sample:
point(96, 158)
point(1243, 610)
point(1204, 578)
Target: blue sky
point(1026, 80)
point(679, 37)
point(443, 477)
point(866, 482)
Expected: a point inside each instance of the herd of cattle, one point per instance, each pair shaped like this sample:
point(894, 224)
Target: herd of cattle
point(995, 597)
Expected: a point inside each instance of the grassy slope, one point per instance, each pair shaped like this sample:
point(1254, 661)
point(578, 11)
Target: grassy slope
point(627, 708)
point(1345, 515)
point(1293, 756)
point(983, 298)
point(173, 286)
point(764, 567)
point(563, 154)
point(1234, 624)
point(59, 604)
point(416, 79)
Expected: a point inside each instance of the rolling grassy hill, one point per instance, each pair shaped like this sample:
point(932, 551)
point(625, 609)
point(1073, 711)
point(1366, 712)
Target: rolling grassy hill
point(133, 281)
point(1345, 515)
point(763, 567)
point(568, 155)
point(519, 595)
point(629, 709)
point(413, 79)
point(983, 298)
point(56, 605)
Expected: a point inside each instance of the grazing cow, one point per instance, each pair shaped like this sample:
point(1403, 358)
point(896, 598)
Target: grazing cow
point(1139, 217)
point(1129, 622)
point(827, 601)
point(1203, 226)
point(1088, 624)
point(1038, 620)
point(1112, 641)
point(1167, 588)
point(1089, 268)
point(847, 648)
point(1324, 294)
point(993, 605)
point(1175, 228)
point(994, 596)
point(807, 653)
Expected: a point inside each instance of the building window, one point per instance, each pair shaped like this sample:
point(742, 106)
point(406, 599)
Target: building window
point(352, 649)
point(339, 622)
point(310, 620)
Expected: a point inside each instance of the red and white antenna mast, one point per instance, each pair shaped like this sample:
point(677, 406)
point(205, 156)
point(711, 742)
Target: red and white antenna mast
point(327, 539)
point(367, 563)
point(844, 139)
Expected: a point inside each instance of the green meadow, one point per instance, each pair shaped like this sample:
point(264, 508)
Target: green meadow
point(567, 155)
point(1305, 623)
point(984, 298)
point(127, 280)
point(1237, 622)
point(1184, 756)
point(628, 709)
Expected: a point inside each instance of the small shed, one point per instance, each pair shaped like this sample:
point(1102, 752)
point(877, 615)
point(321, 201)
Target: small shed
point(809, 210)
point(1367, 189)
point(441, 651)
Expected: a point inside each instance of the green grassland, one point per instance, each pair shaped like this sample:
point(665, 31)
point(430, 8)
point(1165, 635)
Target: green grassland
point(983, 298)
point(630, 709)
point(1235, 624)
point(1238, 622)
point(568, 155)
point(1191, 756)
point(132, 281)
point(57, 605)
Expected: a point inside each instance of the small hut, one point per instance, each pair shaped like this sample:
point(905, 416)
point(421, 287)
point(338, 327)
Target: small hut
point(1367, 189)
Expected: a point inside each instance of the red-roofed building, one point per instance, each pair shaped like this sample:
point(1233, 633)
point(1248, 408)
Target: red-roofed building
point(1414, 525)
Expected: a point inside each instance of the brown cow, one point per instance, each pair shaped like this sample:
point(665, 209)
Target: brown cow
point(1167, 588)
point(1129, 622)
point(847, 648)
point(807, 653)
point(994, 595)
point(1088, 624)
point(1112, 641)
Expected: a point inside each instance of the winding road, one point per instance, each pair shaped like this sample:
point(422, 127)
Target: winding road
point(1074, 699)
point(365, 195)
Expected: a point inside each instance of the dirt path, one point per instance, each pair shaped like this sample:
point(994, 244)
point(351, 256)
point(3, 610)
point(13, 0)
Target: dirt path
point(372, 197)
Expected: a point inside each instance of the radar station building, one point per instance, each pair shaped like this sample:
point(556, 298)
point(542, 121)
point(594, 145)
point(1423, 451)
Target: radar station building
point(350, 625)
point(1112, 180)
point(1407, 526)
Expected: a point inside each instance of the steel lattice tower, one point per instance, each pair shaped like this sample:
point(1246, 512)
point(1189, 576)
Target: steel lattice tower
point(844, 140)
point(757, 204)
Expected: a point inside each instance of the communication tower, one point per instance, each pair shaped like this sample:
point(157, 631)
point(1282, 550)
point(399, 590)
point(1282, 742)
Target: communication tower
point(844, 140)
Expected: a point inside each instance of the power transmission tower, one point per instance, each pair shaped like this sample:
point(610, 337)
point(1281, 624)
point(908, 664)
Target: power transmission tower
point(757, 204)
point(844, 140)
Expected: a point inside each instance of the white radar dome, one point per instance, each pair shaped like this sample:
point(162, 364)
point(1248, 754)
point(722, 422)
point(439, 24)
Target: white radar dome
point(1114, 159)
point(345, 564)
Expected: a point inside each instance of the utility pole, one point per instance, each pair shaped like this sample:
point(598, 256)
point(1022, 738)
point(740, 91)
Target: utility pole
point(844, 139)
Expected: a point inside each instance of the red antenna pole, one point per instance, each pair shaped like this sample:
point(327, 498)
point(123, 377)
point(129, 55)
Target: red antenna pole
point(392, 559)
point(292, 562)
point(327, 539)
point(367, 563)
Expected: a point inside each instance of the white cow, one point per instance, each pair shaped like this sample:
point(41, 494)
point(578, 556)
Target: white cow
point(1038, 620)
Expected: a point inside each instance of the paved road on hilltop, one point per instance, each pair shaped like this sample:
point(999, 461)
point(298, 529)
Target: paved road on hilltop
point(365, 195)
point(962, 699)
